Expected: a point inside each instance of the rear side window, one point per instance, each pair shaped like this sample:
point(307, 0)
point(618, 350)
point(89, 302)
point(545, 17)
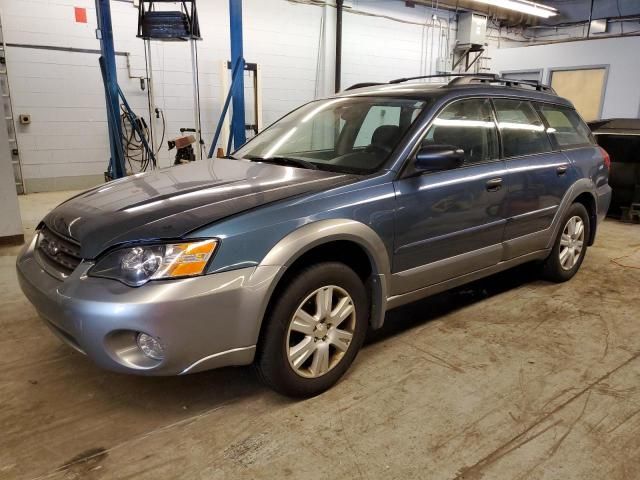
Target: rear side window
point(521, 129)
point(565, 127)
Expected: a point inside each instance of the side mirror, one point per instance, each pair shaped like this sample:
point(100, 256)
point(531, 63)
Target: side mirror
point(432, 158)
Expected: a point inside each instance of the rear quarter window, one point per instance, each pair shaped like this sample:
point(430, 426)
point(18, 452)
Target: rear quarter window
point(565, 127)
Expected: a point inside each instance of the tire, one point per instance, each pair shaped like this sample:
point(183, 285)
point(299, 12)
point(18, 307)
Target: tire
point(561, 266)
point(290, 357)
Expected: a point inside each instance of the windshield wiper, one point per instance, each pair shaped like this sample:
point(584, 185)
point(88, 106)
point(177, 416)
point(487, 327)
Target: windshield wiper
point(296, 162)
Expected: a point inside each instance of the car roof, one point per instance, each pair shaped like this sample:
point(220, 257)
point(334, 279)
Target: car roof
point(430, 90)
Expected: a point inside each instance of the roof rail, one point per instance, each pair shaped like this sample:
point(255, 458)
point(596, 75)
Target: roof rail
point(468, 78)
point(508, 82)
point(541, 87)
point(363, 85)
point(446, 75)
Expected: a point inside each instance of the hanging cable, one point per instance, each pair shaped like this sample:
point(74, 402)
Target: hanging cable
point(149, 93)
point(164, 129)
point(199, 126)
point(138, 157)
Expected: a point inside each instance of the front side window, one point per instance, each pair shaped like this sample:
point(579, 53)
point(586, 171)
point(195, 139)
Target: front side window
point(469, 125)
point(521, 129)
point(350, 134)
point(565, 126)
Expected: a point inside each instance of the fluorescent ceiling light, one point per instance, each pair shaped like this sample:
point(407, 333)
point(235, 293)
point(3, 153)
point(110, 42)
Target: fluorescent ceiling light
point(523, 6)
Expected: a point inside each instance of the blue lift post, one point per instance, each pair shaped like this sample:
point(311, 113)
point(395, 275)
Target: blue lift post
point(238, 120)
point(108, 61)
point(236, 92)
point(238, 69)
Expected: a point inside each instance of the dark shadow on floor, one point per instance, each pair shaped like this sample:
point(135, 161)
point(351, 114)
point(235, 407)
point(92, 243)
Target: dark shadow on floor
point(408, 316)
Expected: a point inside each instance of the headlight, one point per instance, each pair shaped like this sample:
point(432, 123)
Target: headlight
point(135, 266)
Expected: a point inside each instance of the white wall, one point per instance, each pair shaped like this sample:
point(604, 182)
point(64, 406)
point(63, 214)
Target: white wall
point(66, 145)
point(622, 94)
point(379, 48)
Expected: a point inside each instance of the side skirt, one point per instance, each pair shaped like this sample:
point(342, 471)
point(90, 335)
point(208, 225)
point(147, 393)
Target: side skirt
point(398, 300)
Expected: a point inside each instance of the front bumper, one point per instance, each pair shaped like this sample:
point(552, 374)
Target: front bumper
point(203, 322)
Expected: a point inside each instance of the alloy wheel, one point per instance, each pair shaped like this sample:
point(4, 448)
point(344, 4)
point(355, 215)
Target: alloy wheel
point(320, 331)
point(571, 242)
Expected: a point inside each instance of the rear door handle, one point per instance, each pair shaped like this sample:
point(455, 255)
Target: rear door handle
point(562, 169)
point(494, 184)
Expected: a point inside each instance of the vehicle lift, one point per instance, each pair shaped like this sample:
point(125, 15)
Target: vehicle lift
point(173, 25)
point(163, 25)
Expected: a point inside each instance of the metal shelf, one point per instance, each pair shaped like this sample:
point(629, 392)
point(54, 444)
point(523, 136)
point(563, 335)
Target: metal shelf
point(9, 116)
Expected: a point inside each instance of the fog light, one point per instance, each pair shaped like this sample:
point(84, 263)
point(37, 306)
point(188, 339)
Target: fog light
point(150, 346)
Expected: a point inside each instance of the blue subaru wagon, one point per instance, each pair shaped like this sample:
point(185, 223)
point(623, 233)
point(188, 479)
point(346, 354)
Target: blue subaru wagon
point(286, 252)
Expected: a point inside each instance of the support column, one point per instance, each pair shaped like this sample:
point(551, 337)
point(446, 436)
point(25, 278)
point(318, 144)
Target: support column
point(327, 45)
point(338, 71)
point(110, 77)
point(238, 119)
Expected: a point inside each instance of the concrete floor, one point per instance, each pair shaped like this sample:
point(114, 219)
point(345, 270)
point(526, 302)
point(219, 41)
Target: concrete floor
point(510, 378)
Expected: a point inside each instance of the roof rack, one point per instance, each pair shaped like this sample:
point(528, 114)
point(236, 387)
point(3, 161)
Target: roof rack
point(469, 78)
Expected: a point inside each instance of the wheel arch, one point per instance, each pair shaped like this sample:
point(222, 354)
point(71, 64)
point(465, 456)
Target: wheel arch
point(588, 199)
point(343, 240)
point(583, 192)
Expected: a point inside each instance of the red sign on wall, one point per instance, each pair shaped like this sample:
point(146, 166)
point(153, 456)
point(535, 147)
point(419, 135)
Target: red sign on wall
point(81, 14)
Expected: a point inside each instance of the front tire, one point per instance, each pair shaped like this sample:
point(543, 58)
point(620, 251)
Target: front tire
point(314, 330)
point(570, 246)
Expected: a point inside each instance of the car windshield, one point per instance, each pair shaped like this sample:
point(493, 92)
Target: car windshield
point(351, 134)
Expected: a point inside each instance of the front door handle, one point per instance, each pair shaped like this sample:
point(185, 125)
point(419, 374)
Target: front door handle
point(494, 184)
point(562, 169)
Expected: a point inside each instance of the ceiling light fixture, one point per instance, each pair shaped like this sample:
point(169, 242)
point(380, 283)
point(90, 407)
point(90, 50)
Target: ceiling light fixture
point(523, 6)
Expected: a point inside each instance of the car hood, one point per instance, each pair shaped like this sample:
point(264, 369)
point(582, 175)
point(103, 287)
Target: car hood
point(169, 203)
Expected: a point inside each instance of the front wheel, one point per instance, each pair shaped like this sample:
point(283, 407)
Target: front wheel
point(314, 331)
point(570, 246)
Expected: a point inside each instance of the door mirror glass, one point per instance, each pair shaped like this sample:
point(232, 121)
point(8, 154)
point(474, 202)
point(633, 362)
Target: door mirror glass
point(432, 158)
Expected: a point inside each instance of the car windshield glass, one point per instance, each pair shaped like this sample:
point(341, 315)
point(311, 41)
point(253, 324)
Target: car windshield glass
point(353, 135)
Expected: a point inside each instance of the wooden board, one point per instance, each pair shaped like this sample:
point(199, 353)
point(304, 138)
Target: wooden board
point(584, 87)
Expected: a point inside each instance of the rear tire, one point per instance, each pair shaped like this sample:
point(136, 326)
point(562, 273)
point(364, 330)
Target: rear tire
point(314, 330)
point(570, 245)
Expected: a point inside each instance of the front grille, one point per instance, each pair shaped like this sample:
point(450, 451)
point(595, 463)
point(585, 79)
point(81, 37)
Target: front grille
point(58, 252)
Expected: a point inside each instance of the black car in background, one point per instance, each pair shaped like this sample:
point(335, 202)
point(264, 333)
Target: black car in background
point(620, 137)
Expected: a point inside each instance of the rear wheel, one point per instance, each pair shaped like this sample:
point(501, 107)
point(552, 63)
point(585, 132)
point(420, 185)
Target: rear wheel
point(314, 330)
point(570, 246)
